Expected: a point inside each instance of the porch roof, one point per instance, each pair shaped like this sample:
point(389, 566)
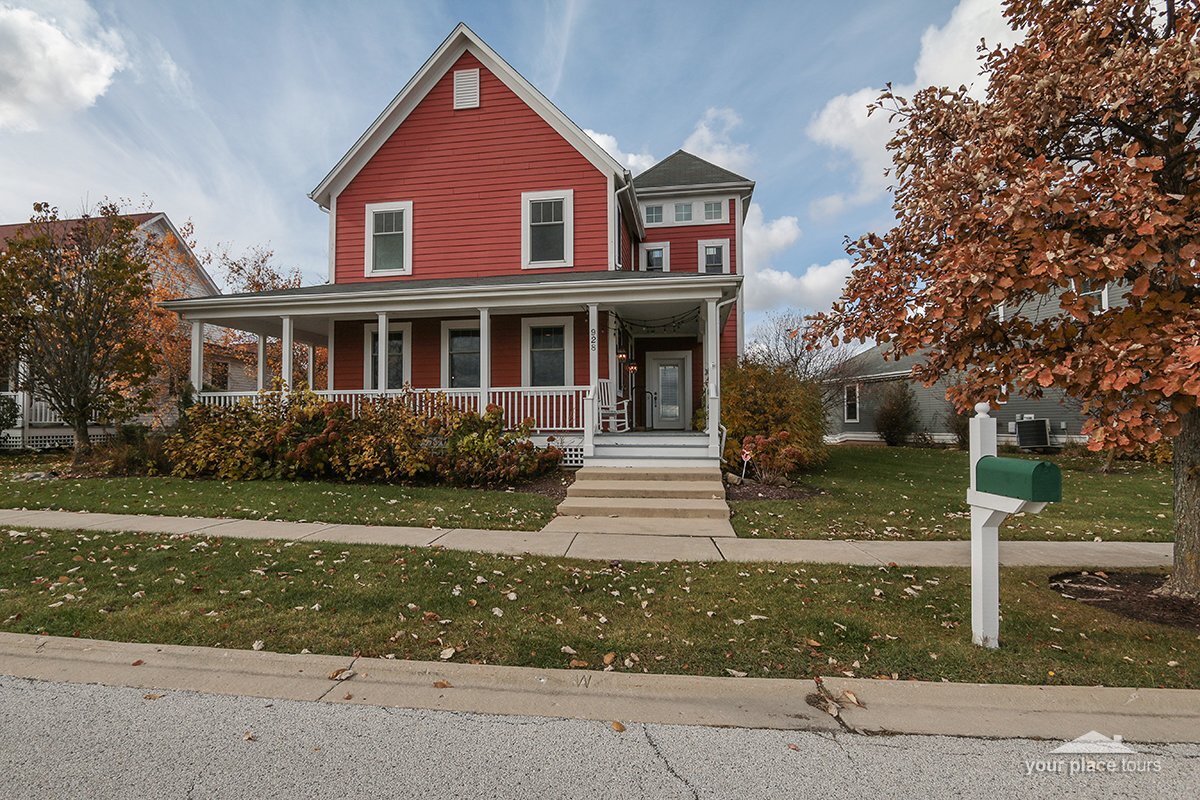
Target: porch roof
point(530, 290)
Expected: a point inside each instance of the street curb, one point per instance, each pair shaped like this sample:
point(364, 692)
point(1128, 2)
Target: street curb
point(893, 707)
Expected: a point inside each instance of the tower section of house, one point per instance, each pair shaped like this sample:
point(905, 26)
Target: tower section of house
point(497, 245)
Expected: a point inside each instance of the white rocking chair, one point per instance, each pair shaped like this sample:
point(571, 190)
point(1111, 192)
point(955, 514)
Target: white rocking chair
point(614, 413)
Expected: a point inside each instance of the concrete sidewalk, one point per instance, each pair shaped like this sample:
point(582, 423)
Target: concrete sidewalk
point(622, 547)
point(919, 707)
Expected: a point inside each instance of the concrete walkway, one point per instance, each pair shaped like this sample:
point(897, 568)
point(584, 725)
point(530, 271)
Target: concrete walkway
point(623, 547)
point(920, 707)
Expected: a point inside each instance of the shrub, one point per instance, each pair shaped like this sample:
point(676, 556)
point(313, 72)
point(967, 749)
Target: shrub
point(765, 400)
point(134, 450)
point(391, 439)
point(959, 424)
point(896, 417)
point(9, 411)
point(773, 458)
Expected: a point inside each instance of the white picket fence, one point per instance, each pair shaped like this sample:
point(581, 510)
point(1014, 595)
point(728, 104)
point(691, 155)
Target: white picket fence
point(550, 408)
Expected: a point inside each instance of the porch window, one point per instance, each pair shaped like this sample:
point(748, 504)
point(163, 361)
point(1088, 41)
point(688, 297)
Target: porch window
point(396, 377)
point(653, 215)
point(548, 229)
point(462, 358)
point(389, 238)
point(714, 256)
point(656, 256)
point(547, 357)
point(713, 211)
point(683, 212)
point(851, 403)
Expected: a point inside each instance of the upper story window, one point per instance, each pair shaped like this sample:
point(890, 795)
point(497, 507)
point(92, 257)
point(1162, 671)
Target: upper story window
point(653, 214)
point(656, 257)
point(850, 403)
point(389, 238)
point(547, 229)
point(547, 354)
point(714, 256)
point(683, 212)
point(713, 211)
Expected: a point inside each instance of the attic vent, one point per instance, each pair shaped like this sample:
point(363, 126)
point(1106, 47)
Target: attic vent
point(466, 88)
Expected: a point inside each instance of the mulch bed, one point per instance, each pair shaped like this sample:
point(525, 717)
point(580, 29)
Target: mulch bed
point(767, 491)
point(552, 484)
point(1129, 594)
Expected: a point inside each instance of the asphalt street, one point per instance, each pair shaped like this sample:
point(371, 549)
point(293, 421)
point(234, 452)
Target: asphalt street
point(85, 741)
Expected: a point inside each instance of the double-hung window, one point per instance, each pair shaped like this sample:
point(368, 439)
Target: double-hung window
point(851, 403)
point(460, 355)
point(656, 257)
point(389, 238)
point(548, 230)
point(713, 256)
point(547, 357)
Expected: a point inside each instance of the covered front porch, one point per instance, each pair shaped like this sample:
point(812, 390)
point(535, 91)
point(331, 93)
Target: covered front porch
point(617, 356)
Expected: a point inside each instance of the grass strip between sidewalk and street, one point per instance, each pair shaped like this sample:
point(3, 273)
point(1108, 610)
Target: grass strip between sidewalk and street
point(763, 620)
point(911, 493)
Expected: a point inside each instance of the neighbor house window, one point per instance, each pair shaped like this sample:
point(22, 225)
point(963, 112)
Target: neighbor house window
point(398, 358)
point(656, 257)
point(851, 414)
point(683, 212)
point(460, 355)
point(547, 352)
point(1096, 291)
point(653, 215)
point(389, 238)
point(547, 238)
point(713, 211)
point(714, 256)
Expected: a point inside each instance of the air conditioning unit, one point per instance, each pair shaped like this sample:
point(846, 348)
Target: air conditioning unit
point(1033, 434)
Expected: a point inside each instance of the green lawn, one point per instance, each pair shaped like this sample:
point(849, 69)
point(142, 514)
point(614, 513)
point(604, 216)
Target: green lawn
point(309, 501)
point(912, 493)
point(704, 619)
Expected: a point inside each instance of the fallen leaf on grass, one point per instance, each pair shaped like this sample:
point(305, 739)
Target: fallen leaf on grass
point(618, 727)
point(609, 658)
point(812, 643)
point(447, 654)
point(568, 650)
point(735, 673)
point(442, 684)
point(258, 644)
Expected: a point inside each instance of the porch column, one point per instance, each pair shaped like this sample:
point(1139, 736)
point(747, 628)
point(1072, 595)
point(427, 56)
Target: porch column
point(196, 375)
point(261, 366)
point(712, 349)
point(591, 418)
point(485, 358)
point(329, 358)
point(309, 351)
point(286, 360)
point(381, 360)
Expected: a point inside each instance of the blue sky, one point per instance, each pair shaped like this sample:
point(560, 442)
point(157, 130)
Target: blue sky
point(230, 113)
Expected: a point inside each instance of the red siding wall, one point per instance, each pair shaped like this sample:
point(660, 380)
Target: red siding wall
point(465, 171)
point(729, 337)
point(685, 242)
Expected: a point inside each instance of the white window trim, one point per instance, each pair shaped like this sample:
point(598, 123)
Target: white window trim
point(568, 323)
point(723, 244)
point(369, 245)
point(568, 198)
point(456, 325)
point(644, 246)
point(668, 206)
point(857, 402)
point(406, 366)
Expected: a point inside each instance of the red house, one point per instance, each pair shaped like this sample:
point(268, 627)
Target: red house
point(514, 262)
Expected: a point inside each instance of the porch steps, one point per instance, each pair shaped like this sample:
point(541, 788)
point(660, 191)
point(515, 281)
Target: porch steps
point(651, 449)
point(687, 501)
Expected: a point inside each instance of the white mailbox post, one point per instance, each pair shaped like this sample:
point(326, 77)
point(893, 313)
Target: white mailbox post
point(999, 487)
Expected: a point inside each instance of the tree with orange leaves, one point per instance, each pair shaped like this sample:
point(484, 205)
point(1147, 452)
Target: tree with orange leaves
point(1080, 167)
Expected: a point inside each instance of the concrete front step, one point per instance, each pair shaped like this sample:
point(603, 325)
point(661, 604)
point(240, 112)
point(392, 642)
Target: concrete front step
point(712, 473)
point(651, 451)
point(643, 507)
point(641, 439)
point(696, 490)
point(652, 462)
point(643, 526)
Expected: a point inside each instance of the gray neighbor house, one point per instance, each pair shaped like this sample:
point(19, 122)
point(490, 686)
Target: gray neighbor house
point(865, 378)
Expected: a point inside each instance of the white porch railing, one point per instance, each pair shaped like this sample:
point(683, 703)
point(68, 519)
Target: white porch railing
point(550, 408)
point(39, 411)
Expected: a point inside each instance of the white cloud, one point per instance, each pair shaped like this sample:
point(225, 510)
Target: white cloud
point(53, 61)
point(712, 140)
point(948, 57)
point(634, 162)
point(816, 288)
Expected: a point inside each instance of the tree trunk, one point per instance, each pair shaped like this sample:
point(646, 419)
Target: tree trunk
point(1185, 579)
point(83, 443)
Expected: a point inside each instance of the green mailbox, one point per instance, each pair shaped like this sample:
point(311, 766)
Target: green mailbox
point(1035, 481)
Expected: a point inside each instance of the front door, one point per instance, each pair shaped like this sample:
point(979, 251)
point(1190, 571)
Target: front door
point(668, 386)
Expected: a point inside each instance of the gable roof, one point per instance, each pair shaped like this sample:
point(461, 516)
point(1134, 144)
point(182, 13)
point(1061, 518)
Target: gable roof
point(681, 168)
point(461, 40)
point(9, 231)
